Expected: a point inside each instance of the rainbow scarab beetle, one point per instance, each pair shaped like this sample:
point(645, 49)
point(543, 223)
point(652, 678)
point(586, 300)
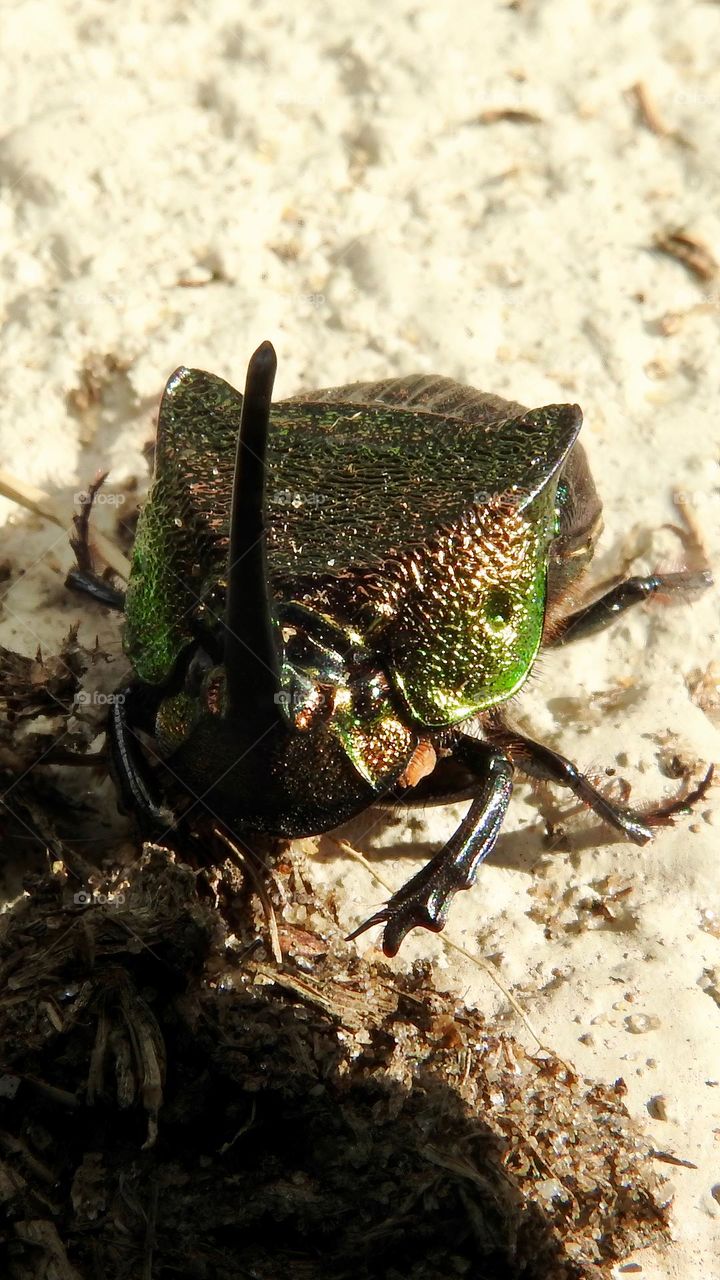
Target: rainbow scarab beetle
point(324, 594)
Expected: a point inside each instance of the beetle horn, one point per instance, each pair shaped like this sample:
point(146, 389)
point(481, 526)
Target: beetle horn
point(251, 659)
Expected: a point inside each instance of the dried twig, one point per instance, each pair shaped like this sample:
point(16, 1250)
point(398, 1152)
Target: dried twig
point(242, 857)
point(647, 109)
point(692, 252)
point(33, 499)
point(514, 115)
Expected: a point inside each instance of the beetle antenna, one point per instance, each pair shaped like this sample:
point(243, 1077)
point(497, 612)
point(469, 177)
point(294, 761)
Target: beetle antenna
point(251, 658)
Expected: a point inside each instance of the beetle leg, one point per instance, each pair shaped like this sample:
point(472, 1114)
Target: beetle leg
point(134, 780)
point(542, 762)
point(425, 899)
point(600, 613)
point(84, 578)
point(91, 584)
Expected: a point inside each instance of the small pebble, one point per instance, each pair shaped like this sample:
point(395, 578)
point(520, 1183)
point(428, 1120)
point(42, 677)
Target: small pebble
point(639, 1023)
point(657, 1107)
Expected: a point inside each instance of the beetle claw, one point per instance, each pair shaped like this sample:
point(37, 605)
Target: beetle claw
point(379, 918)
point(423, 902)
point(402, 916)
point(664, 815)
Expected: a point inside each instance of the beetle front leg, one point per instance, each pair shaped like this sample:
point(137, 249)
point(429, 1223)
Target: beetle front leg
point(136, 785)
point(85, 578)
point(603, 611)
point(539, 761)
point(91, 584)
point(424, 901)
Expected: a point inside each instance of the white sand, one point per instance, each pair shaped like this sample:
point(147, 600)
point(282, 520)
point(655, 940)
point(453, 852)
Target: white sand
point(321, 164)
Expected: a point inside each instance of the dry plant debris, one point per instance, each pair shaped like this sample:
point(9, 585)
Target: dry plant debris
point(692, 252)
point(647, 109)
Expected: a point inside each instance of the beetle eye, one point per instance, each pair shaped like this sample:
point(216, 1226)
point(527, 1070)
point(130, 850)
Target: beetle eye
point(498, 608)
point(205, 681)
point(562, 501)
point(199, 666)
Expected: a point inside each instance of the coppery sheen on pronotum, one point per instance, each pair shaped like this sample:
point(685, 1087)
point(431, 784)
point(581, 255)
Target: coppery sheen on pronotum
point(325, 593)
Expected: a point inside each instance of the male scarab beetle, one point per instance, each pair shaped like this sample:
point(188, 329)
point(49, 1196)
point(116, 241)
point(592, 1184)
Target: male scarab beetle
point(324, 594)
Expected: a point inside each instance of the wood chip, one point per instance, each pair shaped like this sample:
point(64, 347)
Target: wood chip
point(688, 249)
point(647, 109)
point(515, 115)
point(668, 1158)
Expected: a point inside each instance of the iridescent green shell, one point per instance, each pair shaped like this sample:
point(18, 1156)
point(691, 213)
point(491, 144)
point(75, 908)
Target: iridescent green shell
point(417, 510)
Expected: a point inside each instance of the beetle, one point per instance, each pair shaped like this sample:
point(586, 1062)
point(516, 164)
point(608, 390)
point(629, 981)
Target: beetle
point(325, 593)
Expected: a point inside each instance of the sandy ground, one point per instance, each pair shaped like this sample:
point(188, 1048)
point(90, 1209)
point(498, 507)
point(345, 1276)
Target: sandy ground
point(380, 189)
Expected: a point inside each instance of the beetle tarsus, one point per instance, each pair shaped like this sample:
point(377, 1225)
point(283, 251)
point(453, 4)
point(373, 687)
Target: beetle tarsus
point(91, 584)
point(539, 761)
point(425, 900)
point(664, 815)
point(84, 578)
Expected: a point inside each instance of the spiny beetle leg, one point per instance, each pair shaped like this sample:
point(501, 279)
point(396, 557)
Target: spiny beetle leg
point(542, 762)
point(598, 615)
point(424, 901)
point(135, 783)
point(84, 578)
